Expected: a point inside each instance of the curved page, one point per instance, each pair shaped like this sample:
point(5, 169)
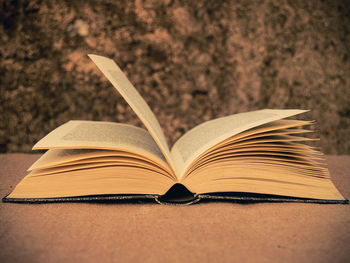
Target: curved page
point(114, 74)
point(62, 157)
point(102, 135)
point(210, 133)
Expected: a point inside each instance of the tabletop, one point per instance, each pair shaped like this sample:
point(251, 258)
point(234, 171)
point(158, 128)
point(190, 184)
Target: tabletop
point(149, 232)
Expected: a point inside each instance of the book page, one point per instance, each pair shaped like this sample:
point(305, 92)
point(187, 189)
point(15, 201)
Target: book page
point(210, 133)
point(102, 135)
point(62, 157)
point(114, 74)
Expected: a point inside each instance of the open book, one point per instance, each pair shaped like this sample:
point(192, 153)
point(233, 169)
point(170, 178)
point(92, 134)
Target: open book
point(258, 155)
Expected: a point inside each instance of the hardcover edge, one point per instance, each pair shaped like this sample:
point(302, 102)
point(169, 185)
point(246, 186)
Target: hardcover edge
point(97, 198)
point(281, 199)
point(197, 198)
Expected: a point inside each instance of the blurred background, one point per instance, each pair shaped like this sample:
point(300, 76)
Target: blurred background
point(192, 61)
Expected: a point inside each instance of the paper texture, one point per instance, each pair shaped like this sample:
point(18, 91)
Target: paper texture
point(210, 133)
point(59, 157)
point(114, 74)
point(102, 135)
point(261, 178)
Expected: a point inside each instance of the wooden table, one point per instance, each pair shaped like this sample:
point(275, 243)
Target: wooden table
point(147, 232)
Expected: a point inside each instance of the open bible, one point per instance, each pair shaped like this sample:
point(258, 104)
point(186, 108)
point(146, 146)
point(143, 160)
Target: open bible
point(258, 156)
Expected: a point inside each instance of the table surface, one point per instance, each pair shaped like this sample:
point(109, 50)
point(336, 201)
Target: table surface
point(147, 232)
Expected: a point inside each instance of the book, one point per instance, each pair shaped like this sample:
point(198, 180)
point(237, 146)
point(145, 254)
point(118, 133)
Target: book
point(261, 155)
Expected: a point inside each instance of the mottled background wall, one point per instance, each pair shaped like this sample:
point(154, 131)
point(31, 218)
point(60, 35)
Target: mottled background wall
point(191, 60)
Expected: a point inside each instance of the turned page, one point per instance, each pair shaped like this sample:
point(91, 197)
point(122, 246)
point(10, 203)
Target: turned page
point(102, 135)
point(206, 135)
point(114, 74)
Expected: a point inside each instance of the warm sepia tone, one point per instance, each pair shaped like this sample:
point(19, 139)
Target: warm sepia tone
point(191, 61)
point(145, 232)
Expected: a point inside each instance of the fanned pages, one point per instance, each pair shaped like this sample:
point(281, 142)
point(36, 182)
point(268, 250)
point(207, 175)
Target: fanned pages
point(260, 156)
point(210, 133)
point(113, 73)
